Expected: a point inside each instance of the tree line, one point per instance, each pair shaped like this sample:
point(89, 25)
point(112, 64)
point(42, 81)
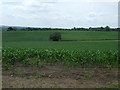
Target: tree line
point(107, 28)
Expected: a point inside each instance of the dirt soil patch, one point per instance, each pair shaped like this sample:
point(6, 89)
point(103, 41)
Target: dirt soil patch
point(58, 76)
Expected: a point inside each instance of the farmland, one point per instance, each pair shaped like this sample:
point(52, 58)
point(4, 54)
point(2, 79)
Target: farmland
point(36, 44)
point(40, 39)
point(76, 49)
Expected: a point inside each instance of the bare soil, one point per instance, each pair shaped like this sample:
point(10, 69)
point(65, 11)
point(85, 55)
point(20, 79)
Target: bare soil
point(58, 76)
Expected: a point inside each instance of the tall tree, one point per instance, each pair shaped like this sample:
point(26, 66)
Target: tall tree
point(107, 28)
point(10, 29)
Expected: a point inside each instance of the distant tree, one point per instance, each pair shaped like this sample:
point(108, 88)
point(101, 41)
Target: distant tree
point(107, 28)
point(90, 28)
point(29, 29)
point(118, 29)
point(101, 27)
point(74, 28)
point(11, 29)
point(55, 36)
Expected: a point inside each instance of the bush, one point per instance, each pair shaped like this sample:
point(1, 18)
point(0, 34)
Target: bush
point(55, 36)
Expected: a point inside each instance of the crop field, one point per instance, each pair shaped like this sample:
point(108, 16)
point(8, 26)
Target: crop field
point(40, 39)
point(36, 44)
point(86, 49)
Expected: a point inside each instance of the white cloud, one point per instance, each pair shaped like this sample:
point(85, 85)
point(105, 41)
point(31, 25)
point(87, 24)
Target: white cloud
point(88, 0)
point(66, 13)
point(0, 13)
point(27, 6)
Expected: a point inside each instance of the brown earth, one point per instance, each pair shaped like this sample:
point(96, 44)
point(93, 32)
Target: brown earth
point(58, 76)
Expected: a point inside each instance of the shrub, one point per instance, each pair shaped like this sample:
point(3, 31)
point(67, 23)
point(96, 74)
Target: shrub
point(55, 36)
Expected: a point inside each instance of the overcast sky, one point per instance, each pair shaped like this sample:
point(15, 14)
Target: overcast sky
point(59, 13)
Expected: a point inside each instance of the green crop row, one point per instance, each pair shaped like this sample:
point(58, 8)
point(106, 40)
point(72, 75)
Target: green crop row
point(76, 57)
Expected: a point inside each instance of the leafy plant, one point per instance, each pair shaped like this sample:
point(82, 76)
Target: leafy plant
point(31, 56)
point(89, 75)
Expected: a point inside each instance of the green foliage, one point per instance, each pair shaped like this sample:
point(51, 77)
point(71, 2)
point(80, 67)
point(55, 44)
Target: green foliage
point(11, 29)
point(71, 29)
point(36, 48)
point(107, 28)
point(56, 36)
point(113, 86)
point(89, 75)
point(71, 58)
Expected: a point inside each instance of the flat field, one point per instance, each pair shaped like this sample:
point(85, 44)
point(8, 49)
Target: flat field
point(80, 40)
point(82, 59)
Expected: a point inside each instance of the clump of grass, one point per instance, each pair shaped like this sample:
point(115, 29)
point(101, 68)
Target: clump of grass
point(20, 72)
point(89, 75)
point(31, 56)
point(114, 85)
point(56, 86)
point(36, 76)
